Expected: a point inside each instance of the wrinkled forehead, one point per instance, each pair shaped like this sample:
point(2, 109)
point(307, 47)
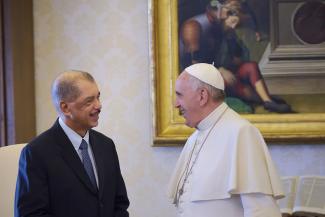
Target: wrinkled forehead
point(183, 77)
point(183, 82)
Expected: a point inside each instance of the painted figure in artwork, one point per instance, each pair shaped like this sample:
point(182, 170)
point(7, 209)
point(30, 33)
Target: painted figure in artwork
point(210, 37)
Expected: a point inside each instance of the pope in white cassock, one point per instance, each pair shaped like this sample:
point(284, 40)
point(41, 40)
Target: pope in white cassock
point(225, 169)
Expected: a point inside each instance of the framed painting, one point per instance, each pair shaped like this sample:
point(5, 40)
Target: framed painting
point(291, 62)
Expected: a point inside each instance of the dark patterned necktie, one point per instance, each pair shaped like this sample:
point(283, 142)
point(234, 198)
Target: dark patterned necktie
point(87, 162)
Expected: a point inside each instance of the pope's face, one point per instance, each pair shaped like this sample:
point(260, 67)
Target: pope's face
point(187, 100)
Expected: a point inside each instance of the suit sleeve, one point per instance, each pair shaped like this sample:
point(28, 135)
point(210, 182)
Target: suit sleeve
point(31, 197)
point(121, 198)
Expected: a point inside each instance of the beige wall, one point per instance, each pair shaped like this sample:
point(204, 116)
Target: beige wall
point(109, 38)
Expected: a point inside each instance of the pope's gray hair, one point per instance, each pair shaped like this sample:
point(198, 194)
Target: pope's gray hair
point(64, 87)
point(216, 94)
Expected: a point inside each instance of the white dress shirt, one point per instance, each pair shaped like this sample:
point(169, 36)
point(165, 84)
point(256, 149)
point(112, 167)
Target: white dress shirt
point(76, 139)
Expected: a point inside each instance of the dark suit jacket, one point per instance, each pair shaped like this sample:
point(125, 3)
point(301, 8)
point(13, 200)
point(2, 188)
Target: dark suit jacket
point(52, 181)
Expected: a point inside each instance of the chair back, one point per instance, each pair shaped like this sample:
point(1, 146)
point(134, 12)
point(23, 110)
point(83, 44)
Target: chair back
point(9, 158)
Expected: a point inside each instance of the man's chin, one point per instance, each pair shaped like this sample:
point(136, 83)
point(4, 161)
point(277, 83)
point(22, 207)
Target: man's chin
point(94, 120)
point(94, 124)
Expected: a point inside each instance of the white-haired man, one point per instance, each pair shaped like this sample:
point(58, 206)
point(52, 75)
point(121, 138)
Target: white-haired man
point(225, 168)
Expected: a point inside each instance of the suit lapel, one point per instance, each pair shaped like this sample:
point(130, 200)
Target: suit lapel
point(99, 159)
point(71, 157)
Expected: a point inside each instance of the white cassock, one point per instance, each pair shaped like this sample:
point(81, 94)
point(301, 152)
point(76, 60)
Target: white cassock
point(230, 173)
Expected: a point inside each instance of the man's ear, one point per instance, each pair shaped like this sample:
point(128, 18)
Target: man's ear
point(64, 108)
point(204, 96)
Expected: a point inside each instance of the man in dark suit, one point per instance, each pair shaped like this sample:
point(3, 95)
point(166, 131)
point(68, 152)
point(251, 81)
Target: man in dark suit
point(71, 170)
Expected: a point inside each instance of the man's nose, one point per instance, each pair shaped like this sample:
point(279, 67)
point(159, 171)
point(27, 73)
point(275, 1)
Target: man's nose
point(98, 104)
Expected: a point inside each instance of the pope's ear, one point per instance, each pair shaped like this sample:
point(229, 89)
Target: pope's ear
point(204, 94)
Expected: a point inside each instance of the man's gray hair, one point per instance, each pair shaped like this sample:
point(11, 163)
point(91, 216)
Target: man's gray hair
point(64, 87)
point(216, 94)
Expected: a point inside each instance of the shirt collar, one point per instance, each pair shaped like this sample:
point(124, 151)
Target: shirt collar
point(74, 137)
point(209, 120)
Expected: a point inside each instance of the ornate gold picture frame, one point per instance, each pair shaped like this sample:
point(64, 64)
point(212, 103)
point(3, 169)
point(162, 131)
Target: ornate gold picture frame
point(168, 125)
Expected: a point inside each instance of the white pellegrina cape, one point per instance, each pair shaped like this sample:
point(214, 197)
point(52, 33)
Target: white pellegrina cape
point(233, 160)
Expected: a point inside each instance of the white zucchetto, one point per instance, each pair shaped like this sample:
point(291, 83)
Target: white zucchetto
point(207, 73)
